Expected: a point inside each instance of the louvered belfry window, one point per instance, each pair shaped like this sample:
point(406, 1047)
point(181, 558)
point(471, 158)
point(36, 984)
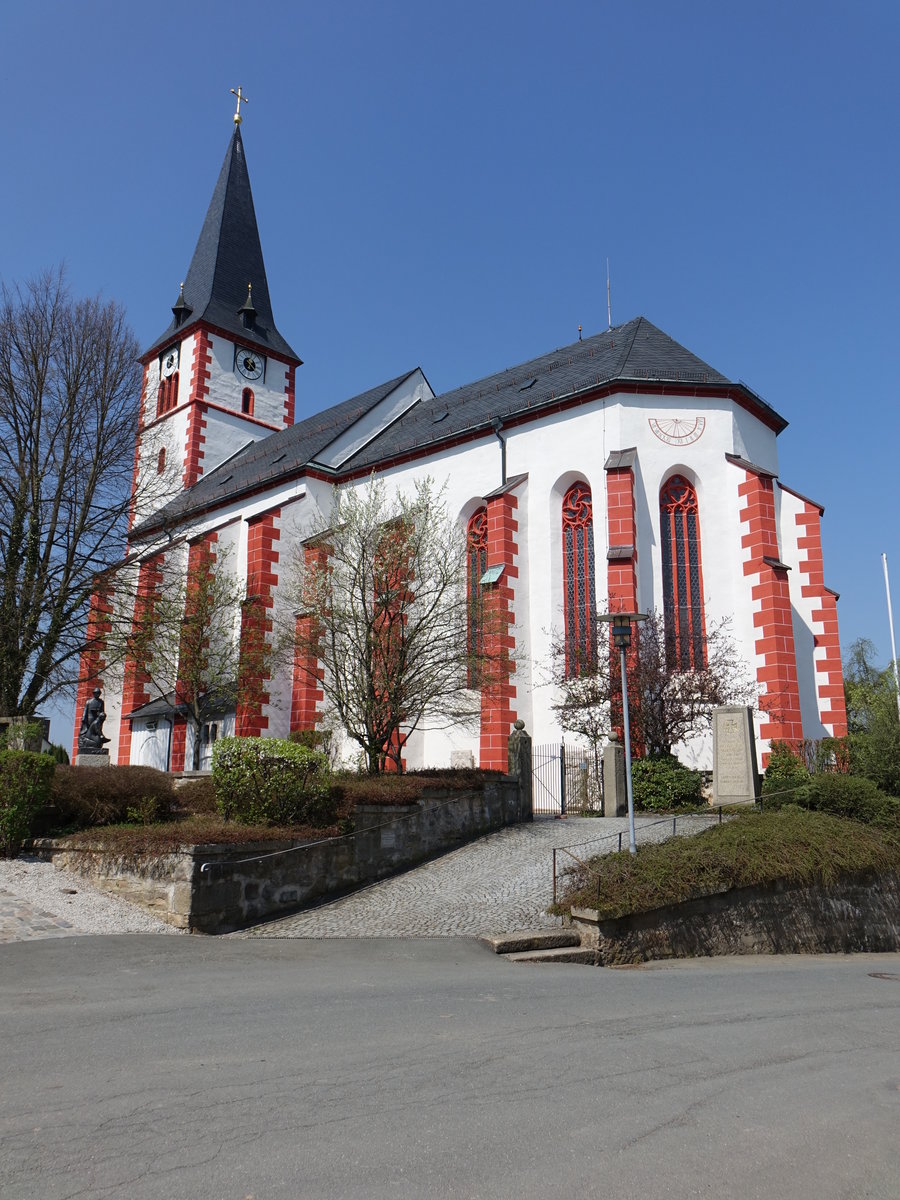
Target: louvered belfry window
point(579, 579)
point(476, 565)
point(682, 575)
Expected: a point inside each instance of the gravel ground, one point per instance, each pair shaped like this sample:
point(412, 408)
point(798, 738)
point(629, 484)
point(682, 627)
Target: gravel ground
point(33, 891)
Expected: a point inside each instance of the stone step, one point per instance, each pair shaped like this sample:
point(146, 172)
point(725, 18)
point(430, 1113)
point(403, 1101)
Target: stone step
point(532, 939)
point(559, 954)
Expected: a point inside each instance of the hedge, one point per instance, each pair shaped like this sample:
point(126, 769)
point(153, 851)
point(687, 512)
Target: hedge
point(272, 781)
point(25, 781)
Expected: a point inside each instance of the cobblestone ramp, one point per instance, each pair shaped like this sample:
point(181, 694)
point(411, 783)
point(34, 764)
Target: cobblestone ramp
point(498, 884)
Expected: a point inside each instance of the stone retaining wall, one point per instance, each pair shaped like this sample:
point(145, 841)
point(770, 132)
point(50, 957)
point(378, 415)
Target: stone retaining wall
point(219, 888)
point(860, 912)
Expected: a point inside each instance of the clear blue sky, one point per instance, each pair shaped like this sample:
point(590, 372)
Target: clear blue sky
point(441, 184)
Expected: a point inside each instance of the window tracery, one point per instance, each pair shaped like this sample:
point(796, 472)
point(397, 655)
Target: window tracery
point(682, 575)
point(579, 586)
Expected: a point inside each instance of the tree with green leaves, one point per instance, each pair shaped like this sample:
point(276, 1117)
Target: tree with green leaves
point(872, 717)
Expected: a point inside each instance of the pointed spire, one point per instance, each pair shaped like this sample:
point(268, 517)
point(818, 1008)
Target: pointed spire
point(181, 309)
point(247, 312)
point(228, 254)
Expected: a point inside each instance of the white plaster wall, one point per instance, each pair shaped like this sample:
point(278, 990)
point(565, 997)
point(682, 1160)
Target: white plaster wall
point(226, 384)
point(555, 451)
point(225, 435)
point(407, 394)
point(754, 441)
point(805, 628)
point(154, 489)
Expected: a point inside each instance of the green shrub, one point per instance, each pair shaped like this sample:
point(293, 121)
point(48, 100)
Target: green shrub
point(660, 783)
point(58, 753)
point(312, 739)
point(86, 796)
point(271, 781)
point(25, 780)
point(785, 772)
point(849, 796)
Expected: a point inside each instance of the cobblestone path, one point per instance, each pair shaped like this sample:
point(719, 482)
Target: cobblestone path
point(20, 921)
point(498, 884)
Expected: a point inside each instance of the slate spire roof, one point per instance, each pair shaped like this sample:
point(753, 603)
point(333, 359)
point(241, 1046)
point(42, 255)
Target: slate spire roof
point(228, 257)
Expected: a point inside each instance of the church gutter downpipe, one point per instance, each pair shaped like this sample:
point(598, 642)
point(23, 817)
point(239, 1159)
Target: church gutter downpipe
point(497, 425)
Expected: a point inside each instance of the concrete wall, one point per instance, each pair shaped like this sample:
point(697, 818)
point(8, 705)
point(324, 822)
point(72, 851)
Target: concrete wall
point(215, 889)
point(858, 913)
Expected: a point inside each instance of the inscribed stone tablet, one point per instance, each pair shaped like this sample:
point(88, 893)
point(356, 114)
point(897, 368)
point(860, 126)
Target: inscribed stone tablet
point(735, 775)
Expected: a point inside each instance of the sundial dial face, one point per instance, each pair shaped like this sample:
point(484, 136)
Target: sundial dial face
point(678, 431)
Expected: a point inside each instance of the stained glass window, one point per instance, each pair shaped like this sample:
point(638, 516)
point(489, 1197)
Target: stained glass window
point(579, 590)
point(682, 575)
point(476, 560)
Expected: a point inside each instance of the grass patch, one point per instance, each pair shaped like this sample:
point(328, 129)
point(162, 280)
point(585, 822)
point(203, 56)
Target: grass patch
point(754, 849)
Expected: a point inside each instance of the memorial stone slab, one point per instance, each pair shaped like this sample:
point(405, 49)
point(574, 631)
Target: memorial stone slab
point(735, 773)
point(615, 790)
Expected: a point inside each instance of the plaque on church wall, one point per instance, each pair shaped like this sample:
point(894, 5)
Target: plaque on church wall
point(735, 773)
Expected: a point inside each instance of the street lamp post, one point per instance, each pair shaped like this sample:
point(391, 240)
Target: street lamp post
point(621, 634)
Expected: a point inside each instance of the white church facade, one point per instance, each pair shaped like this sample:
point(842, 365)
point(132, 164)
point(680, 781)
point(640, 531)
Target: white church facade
point(620, 472)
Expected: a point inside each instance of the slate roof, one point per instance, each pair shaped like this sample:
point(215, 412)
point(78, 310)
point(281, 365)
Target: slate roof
point(636, 351)
point(269, 459)
point(228, 257)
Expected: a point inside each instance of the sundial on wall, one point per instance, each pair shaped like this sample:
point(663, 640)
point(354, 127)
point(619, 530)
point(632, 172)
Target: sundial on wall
point(678, 431)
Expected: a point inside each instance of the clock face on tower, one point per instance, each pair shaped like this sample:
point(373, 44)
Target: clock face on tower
point(249, 364)
point(168, 363)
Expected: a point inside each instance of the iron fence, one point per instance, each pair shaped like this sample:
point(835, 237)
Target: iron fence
point(565, 780)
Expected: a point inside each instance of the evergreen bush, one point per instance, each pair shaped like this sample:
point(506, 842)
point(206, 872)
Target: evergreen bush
point(785, 772)
point(25, 781)
point(660, 783)
point(272, 781)
point(849, 796)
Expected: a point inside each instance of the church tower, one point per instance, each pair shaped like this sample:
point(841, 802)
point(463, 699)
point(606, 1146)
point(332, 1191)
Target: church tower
point(221, 375)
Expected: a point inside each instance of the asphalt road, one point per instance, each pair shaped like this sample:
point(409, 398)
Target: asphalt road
point(150, 1068)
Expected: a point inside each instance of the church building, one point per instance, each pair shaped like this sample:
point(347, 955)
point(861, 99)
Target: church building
point(617, 473)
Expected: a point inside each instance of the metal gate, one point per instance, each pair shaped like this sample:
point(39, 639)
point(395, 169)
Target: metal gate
point(564, 780)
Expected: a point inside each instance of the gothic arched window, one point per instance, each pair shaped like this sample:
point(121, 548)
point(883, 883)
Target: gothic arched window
point(167, 396)
point(247, 402)
point(580, 601)
point(476, 565)
point(682, 575)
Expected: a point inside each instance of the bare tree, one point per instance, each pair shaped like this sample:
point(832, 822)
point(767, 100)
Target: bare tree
point(667, 704)
point(384, 588)
point(69, 396)
point(193, 635)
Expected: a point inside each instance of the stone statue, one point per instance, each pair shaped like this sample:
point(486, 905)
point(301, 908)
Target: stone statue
point(90, 733)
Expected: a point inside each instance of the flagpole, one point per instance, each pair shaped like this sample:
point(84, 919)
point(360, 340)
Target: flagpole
point(887, 588)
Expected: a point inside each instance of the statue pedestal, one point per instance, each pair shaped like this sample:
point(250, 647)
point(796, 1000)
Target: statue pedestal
point(99, 758)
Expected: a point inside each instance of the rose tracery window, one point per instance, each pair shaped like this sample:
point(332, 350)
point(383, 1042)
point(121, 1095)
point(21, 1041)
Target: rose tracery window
point(682, 575)
point(579, 592)
point(476, 565)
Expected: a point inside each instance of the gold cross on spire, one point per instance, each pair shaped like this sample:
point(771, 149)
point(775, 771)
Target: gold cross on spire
point(240, 98)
